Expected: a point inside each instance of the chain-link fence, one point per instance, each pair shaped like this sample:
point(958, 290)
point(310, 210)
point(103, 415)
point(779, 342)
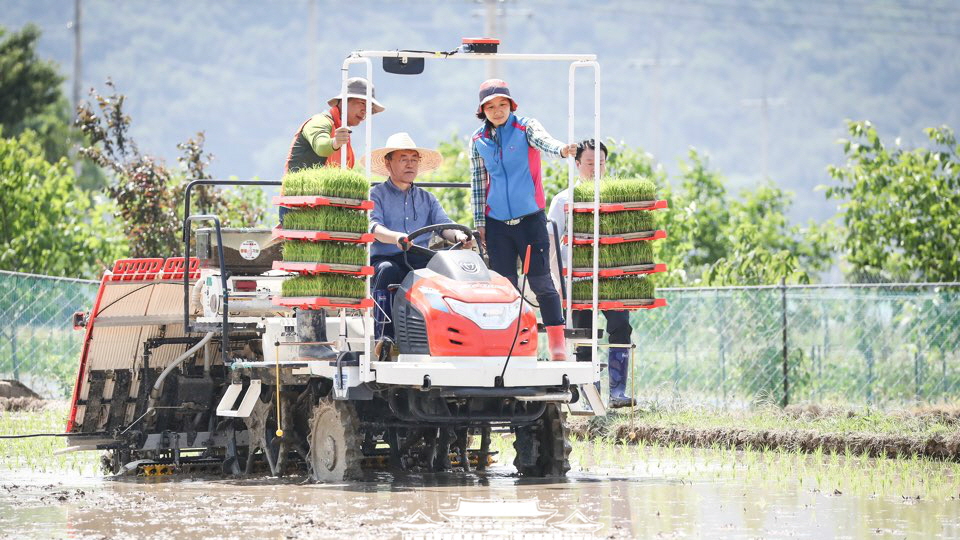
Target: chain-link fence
point(38, 345)
point(879, 344)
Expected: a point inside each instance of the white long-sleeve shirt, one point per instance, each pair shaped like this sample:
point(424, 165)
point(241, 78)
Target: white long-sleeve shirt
point(559, 216)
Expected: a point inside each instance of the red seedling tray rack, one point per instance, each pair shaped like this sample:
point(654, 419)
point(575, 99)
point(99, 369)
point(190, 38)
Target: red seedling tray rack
point(607, 239)
point(321, 268)
point(587, 207)
point(317, 302)
point(317, 236)
point(604, 305)
point(633, 270)
point(311, 201)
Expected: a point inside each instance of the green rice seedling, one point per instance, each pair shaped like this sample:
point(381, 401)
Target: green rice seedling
point(615, 222)
point(627, 288)
point(326, 181)
point(617, 190)
point(613, 255)
point(326, 285)
point(324, 252)
point(327, 218)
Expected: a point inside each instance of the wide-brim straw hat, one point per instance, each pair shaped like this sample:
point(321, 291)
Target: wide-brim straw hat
point(357, 88)
point(429, 159)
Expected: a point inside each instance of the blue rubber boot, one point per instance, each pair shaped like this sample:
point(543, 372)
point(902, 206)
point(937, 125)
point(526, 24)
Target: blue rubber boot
point(618, 362)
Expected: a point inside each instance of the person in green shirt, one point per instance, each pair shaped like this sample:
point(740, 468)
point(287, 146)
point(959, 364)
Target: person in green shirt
point(318, 140)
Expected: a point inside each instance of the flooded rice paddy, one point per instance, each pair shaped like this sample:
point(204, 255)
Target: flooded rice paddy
point(613, 491)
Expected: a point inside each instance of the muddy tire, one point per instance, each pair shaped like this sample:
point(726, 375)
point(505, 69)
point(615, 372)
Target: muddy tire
point(334, 441)
point(543, 449)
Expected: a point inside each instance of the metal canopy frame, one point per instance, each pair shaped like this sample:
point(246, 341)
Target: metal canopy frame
point(577, 62)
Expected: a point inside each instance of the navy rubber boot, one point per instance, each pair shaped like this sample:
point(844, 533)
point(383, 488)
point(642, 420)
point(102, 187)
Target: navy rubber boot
point(618, 362)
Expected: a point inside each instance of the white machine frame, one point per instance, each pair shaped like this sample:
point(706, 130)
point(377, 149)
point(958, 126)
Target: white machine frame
point(394, 372)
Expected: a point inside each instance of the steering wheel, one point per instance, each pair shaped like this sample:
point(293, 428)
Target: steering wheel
point(407, 245)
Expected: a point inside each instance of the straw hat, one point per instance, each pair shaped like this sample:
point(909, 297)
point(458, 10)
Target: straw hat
point(357, 88)
point(429, 159)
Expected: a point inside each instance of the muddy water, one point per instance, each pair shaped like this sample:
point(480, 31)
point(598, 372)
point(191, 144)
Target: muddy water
point(612, 492)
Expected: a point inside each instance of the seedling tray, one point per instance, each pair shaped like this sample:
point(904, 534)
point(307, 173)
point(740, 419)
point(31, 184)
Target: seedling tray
point(301, 201)
point(641, 236)
point(321, 268)
point(315, 302)
point(633, 270)
point(587, 207)
point(603, 305)
point(317, 236)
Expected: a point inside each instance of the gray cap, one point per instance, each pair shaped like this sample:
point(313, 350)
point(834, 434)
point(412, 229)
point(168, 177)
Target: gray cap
point(357, 88)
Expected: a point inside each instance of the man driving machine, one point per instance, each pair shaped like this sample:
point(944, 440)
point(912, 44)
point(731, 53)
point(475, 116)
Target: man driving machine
point(400, 208)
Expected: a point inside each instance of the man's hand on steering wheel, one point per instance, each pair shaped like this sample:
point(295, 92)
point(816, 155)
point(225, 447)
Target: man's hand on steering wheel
point(461, 239)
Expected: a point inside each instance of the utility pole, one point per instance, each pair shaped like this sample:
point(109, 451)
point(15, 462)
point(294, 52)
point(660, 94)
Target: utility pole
point(495, 26)
point(313, 84)
point(77, 52)
point(764, 102)
point(655, 64)
point(491, 15)
point(77, 69)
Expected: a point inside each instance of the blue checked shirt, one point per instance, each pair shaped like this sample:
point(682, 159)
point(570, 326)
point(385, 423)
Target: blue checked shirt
point(537, 137)
point(403, 211)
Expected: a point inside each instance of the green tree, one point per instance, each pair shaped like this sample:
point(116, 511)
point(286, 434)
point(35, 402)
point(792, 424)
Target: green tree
point(30, 93)
point(47, 225)
point(764, 248)
point(29, 86)
point(148, 195)
point(31, 98)
point(901, 208)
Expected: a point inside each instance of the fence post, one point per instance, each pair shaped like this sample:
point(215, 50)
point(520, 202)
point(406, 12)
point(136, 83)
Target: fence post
point(786, 371)
point(14, 353)
point(721, 335)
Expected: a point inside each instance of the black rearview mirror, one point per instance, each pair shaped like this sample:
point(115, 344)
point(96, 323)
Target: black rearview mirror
point(403, 66)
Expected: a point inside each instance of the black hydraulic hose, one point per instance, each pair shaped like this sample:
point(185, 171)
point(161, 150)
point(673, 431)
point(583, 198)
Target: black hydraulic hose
point(523, 286)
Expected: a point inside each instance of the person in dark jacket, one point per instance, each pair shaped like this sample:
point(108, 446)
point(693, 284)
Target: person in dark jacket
point(508, 198)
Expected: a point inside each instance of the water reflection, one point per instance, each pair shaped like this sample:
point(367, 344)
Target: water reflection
point(630, 492)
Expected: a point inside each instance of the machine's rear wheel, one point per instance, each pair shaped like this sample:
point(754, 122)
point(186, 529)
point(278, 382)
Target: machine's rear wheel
point(543, 449)
point(334, 441)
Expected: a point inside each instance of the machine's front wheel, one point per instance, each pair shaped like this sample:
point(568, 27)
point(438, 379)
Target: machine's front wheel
point(543, 449)
point(334, 441)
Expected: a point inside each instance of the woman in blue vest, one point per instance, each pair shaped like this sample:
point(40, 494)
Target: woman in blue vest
point(508, 199)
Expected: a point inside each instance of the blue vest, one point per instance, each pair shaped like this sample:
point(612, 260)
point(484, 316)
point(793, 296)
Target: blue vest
point(514, 186)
